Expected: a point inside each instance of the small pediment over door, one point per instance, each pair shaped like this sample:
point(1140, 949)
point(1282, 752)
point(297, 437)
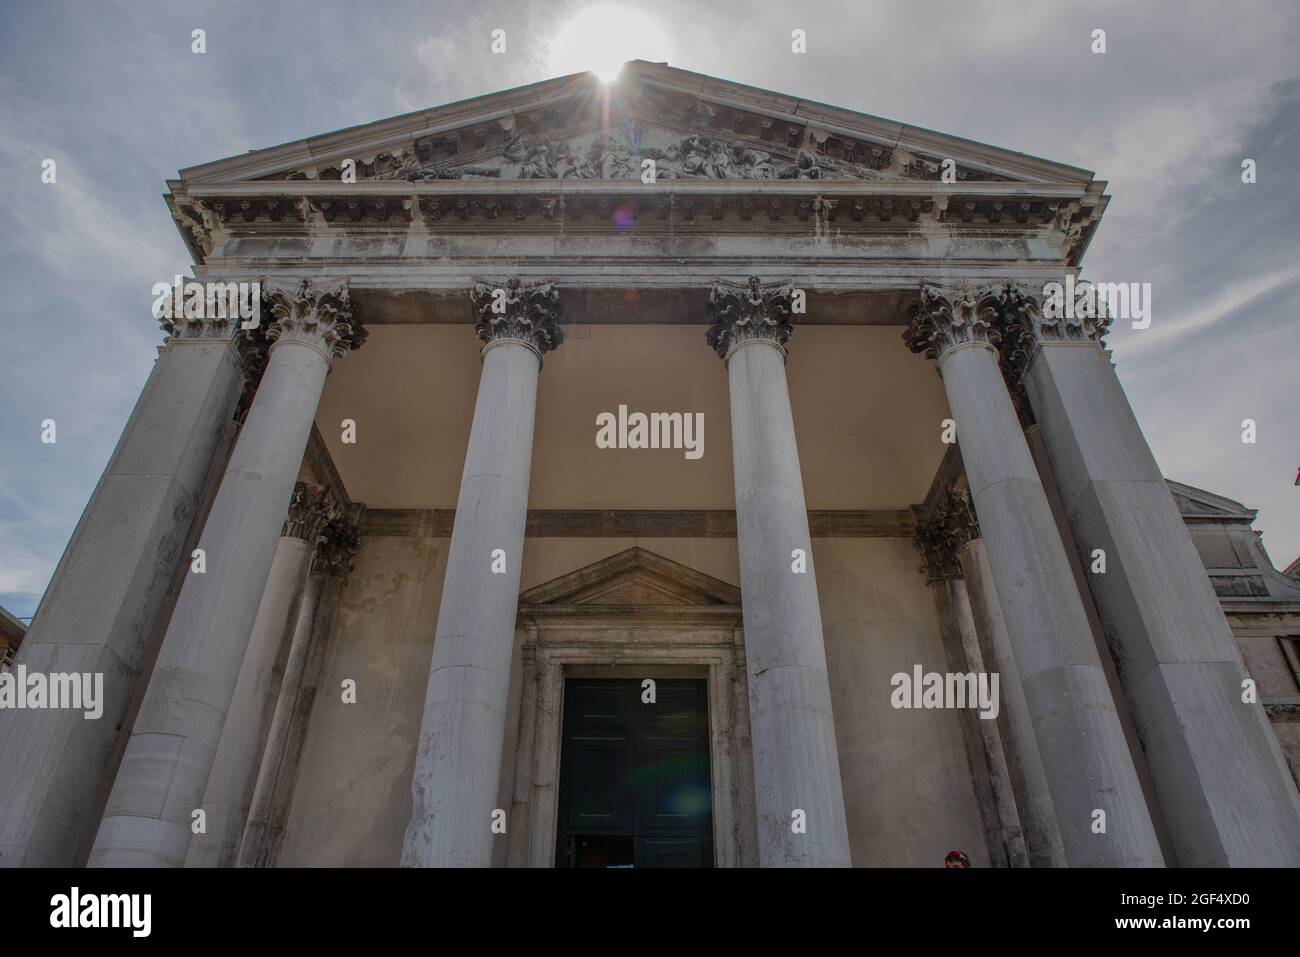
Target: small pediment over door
point(633, 578)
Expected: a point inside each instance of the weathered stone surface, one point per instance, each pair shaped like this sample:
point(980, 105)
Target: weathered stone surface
point(234, 769)
point(796, 764)
point(454, 787)
point(1218, 769)
point(1080, 739)
point(103, 601)
point(169, 756)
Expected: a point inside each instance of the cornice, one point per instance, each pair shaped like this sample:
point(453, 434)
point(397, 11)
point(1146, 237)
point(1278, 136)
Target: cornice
point(704, 103)
point(924, 188)
point(211, 214)
point(841, 120)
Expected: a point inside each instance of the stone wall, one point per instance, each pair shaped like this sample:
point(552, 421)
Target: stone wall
point(907, 783)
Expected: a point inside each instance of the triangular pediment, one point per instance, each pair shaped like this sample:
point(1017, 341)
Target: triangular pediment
point(633, 578)
point(1197, 503)
point(692, 126)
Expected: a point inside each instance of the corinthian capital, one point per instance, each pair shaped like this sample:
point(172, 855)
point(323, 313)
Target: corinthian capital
point(310, 509)
point(319, 316)
point(949, 315)
point(513, 309)
point(957, 513)
point(950, 526)
point(1029, 317)
point(750, 310)
point(1059, 311)
point(339, 542)
point(198, 328)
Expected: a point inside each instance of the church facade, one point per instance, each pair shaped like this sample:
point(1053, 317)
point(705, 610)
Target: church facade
point(667, 473)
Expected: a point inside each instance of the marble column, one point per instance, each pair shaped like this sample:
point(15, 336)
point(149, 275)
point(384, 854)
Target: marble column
point(234, 769)
point(940, 539)
point(798, 792)
point(169, 756)
point(1218, 771)
point(110, 587)
point(334, 544)
point(458, 761)
point(1100, 807)
point(1025, 765)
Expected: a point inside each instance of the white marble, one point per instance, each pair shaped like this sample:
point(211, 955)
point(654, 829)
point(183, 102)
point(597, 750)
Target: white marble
point(458, 763)
point(1222, 781)
point(796, 763)
point(234, 770)
point(1088, 764)
point(253, 843)
point(169, 756)
point(103, 603)
point(1025, 765)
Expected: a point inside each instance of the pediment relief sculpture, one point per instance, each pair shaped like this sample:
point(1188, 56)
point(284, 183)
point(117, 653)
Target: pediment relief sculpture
point(620, 156)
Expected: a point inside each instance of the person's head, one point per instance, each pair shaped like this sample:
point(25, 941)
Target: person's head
point(956, 859)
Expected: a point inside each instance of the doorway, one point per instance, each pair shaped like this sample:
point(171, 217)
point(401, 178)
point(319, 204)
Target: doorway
point(635, 779)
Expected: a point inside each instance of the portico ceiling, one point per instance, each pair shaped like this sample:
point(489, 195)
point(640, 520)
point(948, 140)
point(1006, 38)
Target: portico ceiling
point(867, 414)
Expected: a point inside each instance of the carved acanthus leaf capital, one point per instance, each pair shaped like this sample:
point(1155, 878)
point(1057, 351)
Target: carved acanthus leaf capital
point(320, 316)
point(310, 509)
point(1029, 317)
point(513, 309)
point(949, 315)
point(951, 525)
point(182, 327)
point(746, 311)
point(957, 513)
point(1061, 311)
point(338, 545)
point(940, 557)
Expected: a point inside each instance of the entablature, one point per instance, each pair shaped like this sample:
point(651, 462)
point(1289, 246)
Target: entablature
point(1062, 216)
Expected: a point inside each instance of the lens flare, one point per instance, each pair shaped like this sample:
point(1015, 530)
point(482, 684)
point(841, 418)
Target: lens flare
point(600, 39)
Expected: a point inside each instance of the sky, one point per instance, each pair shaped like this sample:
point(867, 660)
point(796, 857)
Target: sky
point(113, 92)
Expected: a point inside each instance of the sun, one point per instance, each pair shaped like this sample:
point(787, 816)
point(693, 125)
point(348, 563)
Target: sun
point(601, 38)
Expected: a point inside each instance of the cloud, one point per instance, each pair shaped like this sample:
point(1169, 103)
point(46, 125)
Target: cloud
point(113, 92)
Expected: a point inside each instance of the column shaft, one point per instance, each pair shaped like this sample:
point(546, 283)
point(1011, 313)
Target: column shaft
point(796, 761)
point(990, 738)
point(1089, 767)
point(458, 764)
point(1217, 767)
point(252, 849)
point(106, 595)
point(168, 759)
point(1029, 780)
point(229, 790)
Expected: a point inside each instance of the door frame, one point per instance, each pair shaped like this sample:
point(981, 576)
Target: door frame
point(637, 710)
point(635, 642)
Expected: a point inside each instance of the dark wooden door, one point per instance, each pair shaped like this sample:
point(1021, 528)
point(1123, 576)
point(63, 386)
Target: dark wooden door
point(635, 788)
